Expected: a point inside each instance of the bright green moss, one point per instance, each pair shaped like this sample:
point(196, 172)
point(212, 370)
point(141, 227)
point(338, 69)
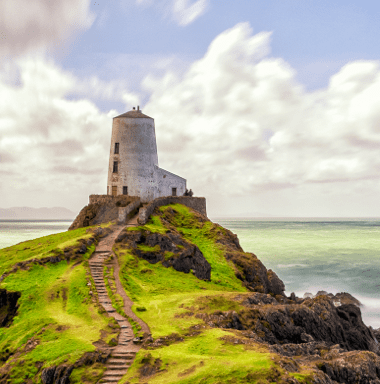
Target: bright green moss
point(146, 248)
point(163, 290)
point(55, 310)
point(39, 248)
point(204, 359)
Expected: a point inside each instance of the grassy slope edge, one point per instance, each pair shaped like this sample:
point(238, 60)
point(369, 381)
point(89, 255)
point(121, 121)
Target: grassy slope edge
point(186, 350)
point(58, 319)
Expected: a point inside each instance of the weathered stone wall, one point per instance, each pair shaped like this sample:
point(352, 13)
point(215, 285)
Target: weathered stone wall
point(103, 209)
point(196, 203)
point(107, 199)
point(125, 212)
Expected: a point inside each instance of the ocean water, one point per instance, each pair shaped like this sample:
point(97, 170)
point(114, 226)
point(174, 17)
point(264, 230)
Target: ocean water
point(309, 255)
point(14, 232)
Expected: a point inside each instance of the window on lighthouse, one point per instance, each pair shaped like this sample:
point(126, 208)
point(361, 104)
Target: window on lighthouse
point(116, 148)
point(174, 191)
point(115, 167)
point(125, 190)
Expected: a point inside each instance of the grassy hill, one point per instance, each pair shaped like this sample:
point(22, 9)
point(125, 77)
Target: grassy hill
point(186, 350)
point(215, 313)
point(58, 319)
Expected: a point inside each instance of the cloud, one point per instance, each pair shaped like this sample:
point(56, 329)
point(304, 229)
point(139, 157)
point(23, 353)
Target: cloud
point(186, 11)
point(237, 122)
point(183, 12)
point(51, 147)
point(27, 26)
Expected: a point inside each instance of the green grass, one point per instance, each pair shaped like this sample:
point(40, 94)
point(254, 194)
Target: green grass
point(173, 299)
point(39, 248)
point(204, 359)
point(116, 299)
point(87, 375)
point(55, 310)
point(163, 290)
point(146, 248)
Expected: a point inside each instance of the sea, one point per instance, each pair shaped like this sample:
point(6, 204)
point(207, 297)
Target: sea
point(308, 254)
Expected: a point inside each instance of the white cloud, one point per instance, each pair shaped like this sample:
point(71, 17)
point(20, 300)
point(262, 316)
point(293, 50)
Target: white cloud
point(183, 12)
point(187, 11)
point(53, 150)
point(234, 123)
point(237, 121)
point(27, 26)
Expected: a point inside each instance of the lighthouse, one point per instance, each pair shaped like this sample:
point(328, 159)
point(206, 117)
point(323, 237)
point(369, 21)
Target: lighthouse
point(133, 163)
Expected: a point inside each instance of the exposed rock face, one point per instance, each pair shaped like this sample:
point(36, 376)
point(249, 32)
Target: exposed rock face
point(315, 319)
point(338, 299)
point(248, 267)
point(8, 306)
point(101, 211)
point(57, 375)
point(169, 249)
point(352, 367)
point(61, 374)
point(336, 364)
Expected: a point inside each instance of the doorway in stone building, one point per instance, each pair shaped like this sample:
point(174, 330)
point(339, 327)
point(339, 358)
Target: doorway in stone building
point(114, 190)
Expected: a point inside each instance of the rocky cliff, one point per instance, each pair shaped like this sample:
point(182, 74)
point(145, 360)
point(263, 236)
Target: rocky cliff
point(216, 313)
point(320, 333)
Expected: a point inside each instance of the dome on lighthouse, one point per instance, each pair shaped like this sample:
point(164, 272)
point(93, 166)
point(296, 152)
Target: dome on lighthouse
point(134, 114)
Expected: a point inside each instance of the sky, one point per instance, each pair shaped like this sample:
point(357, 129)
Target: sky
point(266, 107)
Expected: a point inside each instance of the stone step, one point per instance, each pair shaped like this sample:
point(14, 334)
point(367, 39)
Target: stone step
point(122, 357)
point(116, 367)
point(119, 362)
point(113, 373)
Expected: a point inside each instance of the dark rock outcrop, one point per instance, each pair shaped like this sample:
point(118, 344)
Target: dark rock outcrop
point(248, 268)
point(336, 364)
point(315, 319)
point(57, 375)
point(8, 306)
point(170, 249)
point(61, 374)
point(352, 367)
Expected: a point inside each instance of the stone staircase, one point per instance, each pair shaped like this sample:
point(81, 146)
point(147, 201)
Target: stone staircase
point(124, 353)
point(117, 366)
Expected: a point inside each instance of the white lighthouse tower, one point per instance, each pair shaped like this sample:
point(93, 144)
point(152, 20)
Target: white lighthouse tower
point(133, 165)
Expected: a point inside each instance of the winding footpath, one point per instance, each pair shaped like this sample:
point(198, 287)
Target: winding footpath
point(124, 353)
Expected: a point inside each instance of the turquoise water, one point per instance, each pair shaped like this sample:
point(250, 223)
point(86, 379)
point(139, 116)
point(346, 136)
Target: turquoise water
point(14, 232)
point(308, 255)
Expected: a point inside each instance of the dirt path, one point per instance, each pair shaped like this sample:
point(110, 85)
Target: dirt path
point(124, 353)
